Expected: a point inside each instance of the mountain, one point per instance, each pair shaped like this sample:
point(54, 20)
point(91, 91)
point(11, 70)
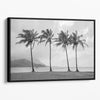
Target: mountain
point(26, 63)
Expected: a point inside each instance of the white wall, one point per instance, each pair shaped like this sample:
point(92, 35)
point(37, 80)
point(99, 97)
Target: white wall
point(73, 90)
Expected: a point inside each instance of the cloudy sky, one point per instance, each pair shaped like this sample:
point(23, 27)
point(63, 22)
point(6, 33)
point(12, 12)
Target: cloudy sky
point(41, 52)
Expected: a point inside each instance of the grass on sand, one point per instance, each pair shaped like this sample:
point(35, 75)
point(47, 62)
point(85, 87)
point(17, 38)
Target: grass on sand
point(51, 75)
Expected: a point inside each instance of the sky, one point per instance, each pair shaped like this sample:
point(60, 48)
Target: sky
point(41, 52)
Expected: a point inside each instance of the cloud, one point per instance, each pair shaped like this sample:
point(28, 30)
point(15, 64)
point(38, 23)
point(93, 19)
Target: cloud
point(63, 25)
point(85, 31)
point(86, 34)
point(66, 23)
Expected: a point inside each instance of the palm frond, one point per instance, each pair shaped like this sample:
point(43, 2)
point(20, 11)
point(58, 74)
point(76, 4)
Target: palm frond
point(73, 46)
point(86, 44)
point(41, 39)
point(27, 44)
point(80, 36)
point(64, 46)
point(44, 33)
point(81, 43)
point(21, 35)
point(63, 38)
point(48, 41)
point(28, 36)
point(83, 40)
point(76, 39)
point(47, 35)
point(21, 41)
point(58, 44)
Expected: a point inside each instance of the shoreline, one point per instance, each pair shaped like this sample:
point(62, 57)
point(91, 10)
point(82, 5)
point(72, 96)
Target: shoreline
point(46, 69)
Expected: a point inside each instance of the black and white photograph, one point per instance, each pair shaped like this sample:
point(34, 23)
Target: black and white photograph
point(47, 49)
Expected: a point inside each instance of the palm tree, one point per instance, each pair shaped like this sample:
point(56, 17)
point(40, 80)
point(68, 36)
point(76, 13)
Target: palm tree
point(47, 36)
point(29, 37)
point(75, 41)
point(64, 40)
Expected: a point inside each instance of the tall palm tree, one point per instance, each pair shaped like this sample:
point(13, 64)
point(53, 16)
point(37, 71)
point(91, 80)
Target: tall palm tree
point(64, 40)
point(47, 36)
point(29, 37)
point(75, 41)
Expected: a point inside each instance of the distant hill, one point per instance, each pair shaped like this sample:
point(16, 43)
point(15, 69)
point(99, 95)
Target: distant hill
point(25, 63)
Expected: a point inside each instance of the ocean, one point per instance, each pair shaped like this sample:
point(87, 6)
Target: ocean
point(45, 69)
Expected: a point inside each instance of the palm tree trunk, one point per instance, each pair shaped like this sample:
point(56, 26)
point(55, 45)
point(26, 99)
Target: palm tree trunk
point(50, 56)
point(76, 58)
point(67, 59)
point(31, 58)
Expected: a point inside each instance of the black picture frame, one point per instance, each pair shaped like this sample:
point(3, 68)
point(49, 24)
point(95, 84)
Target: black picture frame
point(9, 48)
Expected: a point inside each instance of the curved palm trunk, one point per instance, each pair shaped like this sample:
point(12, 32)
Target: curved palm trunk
point(50, 56)
point(76, 58)
point(31, 58)
point(67, 59)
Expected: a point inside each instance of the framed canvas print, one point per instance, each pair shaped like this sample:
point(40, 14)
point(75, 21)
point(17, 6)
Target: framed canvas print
point(50, 49)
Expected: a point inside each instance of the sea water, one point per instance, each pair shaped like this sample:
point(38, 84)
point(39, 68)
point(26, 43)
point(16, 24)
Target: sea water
point(46, 69)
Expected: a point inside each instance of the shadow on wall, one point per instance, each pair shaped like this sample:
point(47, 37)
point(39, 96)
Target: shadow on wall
point(5, 51)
